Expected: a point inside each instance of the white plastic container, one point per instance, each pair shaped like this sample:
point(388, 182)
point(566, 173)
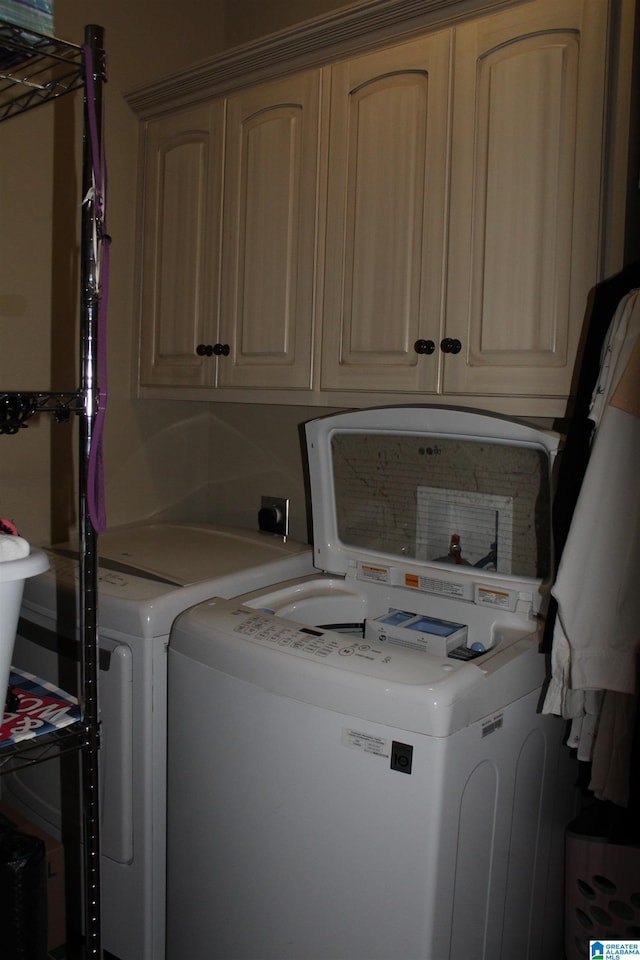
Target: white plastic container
point(13, 573)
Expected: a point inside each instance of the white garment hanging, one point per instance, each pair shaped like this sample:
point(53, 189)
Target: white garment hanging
point(597, 630)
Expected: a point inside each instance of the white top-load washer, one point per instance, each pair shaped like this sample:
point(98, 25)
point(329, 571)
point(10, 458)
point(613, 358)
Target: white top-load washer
point(148, 574)
point(357, 769)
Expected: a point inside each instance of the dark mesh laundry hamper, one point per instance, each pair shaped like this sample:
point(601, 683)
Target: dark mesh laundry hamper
point(23, 897)
point(602, 893)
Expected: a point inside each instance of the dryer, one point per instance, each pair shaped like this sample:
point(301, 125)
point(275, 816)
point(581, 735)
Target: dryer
point(357, 768)
point(148, 574)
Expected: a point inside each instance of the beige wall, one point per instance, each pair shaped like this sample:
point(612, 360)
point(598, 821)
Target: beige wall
point(250, 19)
point(191, 461)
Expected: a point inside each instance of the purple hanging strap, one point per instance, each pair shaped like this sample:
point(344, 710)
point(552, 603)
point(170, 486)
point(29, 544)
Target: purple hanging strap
point(95, 467)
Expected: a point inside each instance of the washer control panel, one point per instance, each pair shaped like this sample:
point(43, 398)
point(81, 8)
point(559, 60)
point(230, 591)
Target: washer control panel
point(344, 651)
point(320, 643)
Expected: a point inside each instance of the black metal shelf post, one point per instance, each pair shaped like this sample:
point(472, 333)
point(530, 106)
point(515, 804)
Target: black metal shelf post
point(88, 583)
point(34, 70)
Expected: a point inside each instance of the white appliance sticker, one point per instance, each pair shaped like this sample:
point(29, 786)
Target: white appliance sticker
point(491, 724)
point(431, 585)
point(366, 742)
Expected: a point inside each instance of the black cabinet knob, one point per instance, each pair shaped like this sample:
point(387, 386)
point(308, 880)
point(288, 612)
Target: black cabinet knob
point(449, 345)
point(424, 346)
point(208, 350)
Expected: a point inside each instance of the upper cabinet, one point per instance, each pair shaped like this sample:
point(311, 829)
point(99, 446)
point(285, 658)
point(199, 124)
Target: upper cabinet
point(524, 240)
point(180, 245)
point(503, 202)
point(269, 234)
point(386, 217)
point(422, 220)
point(227, 277)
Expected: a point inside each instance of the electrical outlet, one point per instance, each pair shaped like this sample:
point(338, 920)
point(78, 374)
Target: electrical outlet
point(273, 516)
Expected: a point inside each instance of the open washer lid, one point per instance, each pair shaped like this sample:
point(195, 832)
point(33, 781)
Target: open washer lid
point(441, 499)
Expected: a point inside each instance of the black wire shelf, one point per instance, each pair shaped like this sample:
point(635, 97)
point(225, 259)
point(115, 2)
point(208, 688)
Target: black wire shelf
point(17, 408)
point(16, 756)
point(35, 68)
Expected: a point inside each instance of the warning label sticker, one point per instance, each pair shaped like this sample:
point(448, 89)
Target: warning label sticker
point(377, 574)
point(494, 598)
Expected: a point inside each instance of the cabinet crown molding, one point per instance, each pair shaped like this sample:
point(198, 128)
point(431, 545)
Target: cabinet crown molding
point(359, 26)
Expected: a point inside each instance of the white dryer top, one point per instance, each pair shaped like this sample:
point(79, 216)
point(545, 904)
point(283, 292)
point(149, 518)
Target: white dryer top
point(188, 553)
point(149, 573)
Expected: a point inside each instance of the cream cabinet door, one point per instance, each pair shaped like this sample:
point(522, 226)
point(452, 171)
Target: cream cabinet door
point(180, 247)
point(525, 195)
point(269, 234)
point(386, 209)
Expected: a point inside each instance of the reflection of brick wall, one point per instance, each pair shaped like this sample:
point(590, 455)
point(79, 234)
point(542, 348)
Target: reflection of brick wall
point(378, 479)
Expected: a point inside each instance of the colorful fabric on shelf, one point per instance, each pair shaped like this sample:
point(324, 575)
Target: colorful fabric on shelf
point(36, 707)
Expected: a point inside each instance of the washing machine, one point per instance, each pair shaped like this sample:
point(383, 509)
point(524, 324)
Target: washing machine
point(357, 767)
point(147, 575)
